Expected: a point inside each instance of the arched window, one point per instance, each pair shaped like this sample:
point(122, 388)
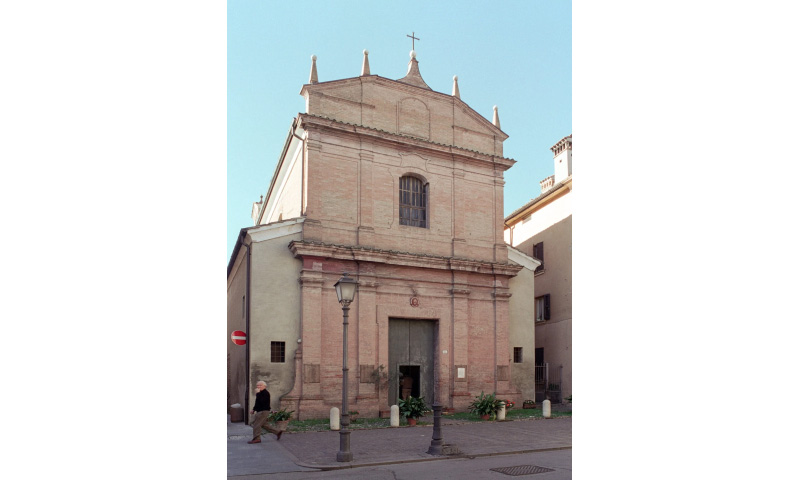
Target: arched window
point(413, 202)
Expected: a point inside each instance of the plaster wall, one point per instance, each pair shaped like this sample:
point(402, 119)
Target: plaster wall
point(236, 354)
point(521, 331)
point(275, 308)
point(286, 186)
point(555, 334)
point(540, 220)
point(288, 196)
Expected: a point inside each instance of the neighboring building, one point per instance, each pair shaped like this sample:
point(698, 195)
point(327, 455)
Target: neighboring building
point(542, 228)
point(401, 187)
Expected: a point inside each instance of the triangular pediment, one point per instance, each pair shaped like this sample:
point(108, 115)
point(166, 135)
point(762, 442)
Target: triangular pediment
point(401, 108)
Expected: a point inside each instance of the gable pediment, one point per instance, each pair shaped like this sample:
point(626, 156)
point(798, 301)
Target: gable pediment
point(400, 108)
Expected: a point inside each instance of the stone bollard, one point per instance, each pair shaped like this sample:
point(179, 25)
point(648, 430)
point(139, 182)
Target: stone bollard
point(501, 412)
point(394, 416)
point(334, 418)
point(546, 409)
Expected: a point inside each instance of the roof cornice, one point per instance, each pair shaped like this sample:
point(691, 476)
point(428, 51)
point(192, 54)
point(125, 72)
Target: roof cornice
point(391, 257)
point(308, 120)
point(559, 190)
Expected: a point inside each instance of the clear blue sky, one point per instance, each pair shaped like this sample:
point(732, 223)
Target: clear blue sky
point(513, 54)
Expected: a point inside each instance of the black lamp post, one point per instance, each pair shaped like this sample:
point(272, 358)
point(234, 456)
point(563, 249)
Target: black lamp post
point(345, 291)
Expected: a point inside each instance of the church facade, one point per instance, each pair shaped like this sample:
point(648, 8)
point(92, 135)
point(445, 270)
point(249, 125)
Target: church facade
point(402, 188)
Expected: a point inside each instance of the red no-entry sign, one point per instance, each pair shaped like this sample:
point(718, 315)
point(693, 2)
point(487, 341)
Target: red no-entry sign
point(239, 337)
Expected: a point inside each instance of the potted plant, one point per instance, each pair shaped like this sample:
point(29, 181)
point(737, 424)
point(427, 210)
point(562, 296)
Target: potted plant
point(353, 415)
point(528, 404)
point(509, 404)
point(412, 408)
point(485, 405)
point(281, 418)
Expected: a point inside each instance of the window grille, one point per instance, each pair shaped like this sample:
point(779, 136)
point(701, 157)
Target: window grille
point(413, 202)
point(278, 352)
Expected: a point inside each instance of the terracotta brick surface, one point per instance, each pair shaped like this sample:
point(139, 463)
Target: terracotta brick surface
point(360, 137)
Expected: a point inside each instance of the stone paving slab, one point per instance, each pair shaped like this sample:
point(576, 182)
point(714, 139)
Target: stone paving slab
point(409, 444)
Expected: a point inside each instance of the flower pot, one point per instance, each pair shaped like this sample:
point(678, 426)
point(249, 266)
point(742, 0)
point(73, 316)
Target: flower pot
point(412, 422)
point(529, 406)
point(485, 417)
point(282, 425)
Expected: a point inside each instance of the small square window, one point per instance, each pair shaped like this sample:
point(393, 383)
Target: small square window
point(517, 354)
point(278, 352)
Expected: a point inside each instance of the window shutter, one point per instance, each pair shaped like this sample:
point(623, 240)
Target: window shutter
point(547, 307)
point(538, 253)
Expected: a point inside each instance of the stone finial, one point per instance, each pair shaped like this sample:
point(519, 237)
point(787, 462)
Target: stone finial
point(455, 87)
point(365, 65)
point(496, 118)
point(313, 78)
point(413, 77)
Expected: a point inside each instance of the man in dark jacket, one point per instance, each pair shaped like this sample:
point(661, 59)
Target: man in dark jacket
point(261, 410)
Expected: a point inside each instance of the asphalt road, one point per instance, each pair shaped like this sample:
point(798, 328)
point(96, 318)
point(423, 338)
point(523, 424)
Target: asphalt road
point(559, 461)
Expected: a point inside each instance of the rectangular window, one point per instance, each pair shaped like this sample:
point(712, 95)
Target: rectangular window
point(543, 308)
point(538, 253)
point(517, 354)
point(413, 202)
point(278, 352)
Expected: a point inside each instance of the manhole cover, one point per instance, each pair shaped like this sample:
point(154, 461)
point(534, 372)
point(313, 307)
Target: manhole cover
point(522, 470)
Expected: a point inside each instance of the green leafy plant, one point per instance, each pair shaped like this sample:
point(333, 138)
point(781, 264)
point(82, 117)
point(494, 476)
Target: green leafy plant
point(282, 414)
point(485, 405)
point(569, 399)
point(413, 407)
point(528, 403)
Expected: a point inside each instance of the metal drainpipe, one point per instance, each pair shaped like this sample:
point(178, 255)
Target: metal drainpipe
point(249, 339)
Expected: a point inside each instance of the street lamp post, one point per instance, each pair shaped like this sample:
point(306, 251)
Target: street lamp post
point(345, 291)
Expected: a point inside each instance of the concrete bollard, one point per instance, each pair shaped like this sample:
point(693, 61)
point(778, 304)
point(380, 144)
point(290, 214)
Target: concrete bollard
point(394, 416)
point(546, 409)
point(335, 418)
point(501, 412)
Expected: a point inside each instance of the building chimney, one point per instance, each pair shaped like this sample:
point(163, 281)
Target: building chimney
point(562, 158)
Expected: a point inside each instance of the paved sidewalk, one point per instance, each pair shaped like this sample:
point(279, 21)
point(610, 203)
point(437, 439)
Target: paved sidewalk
point(317, 450)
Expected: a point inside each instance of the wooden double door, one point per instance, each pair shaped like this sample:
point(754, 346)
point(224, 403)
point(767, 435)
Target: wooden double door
point(411, 358)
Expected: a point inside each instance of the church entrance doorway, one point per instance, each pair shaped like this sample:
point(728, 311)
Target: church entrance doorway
point(411, 358)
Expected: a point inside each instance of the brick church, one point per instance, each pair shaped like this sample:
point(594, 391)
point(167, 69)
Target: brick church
point(402, 188)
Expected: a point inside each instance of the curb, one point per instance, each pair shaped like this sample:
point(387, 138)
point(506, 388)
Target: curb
point(417, 460)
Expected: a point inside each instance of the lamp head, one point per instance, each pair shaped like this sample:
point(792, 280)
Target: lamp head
point(345, 289)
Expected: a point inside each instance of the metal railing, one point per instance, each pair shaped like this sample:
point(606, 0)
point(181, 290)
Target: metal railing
point(547, 383)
